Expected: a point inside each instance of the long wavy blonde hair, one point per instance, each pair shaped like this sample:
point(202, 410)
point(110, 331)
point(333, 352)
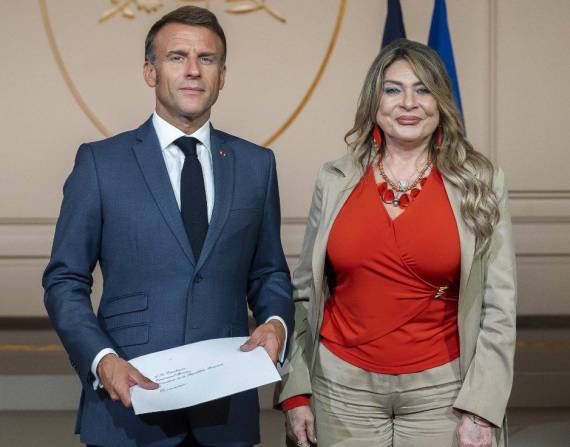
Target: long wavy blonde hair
point(459, 163)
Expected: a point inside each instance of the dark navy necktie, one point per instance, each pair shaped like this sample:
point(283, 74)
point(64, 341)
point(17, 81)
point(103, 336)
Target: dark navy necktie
point(193, 195)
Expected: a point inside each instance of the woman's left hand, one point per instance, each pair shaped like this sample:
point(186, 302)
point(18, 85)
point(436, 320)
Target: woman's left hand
point(474, 434)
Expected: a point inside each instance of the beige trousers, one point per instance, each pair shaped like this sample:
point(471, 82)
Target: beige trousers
point(357, 408)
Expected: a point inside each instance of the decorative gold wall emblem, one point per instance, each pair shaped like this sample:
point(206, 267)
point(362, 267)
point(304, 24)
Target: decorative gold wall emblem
point(145, 10)
point(125, 7)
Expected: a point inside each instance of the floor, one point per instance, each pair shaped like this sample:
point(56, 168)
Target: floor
point(528, 428)
point(38, 392)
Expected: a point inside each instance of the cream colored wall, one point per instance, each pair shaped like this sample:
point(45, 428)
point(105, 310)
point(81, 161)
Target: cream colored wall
point(513, 68)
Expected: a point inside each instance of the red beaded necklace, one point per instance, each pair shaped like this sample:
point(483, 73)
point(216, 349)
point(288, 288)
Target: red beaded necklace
point(401, 194)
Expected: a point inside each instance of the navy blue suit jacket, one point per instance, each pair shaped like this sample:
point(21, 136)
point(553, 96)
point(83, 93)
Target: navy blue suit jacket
point(119, 210)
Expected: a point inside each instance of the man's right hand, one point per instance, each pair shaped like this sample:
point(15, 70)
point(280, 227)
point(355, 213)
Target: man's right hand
point(300, 425)
point(118, 376)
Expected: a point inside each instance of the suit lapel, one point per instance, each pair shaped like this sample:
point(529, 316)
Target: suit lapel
point(151, 162)
point(223, 167)
point(466, 236)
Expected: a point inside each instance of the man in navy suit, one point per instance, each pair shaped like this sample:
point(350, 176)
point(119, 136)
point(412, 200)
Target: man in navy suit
point(183, 220)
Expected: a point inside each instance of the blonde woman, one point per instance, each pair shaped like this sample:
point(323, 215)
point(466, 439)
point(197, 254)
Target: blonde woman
point(405, 289)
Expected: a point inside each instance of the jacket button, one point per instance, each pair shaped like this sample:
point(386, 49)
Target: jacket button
point(198, 278)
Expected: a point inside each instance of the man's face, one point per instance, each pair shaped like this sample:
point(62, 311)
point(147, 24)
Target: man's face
point(187, 74)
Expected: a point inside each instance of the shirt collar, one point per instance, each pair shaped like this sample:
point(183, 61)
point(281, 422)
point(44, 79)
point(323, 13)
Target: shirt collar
point(167, 133)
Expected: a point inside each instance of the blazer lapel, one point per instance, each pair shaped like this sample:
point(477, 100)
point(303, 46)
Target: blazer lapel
point(336, 194)
point(339, 192)
point(345, 176)
point(223, 167)
point(466, 236)
point(151, 162)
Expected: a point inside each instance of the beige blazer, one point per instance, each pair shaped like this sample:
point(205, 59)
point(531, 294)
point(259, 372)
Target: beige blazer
point(487, 298)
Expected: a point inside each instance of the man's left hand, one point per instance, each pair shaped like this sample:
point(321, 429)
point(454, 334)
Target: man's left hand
point(270, 335)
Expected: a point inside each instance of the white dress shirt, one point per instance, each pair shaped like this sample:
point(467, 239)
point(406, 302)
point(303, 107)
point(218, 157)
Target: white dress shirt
point(174, 160)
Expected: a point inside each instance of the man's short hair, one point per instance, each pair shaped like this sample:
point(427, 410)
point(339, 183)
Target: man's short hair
point(187, 15)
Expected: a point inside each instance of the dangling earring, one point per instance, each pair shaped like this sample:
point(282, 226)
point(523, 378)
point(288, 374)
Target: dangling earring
point(377, 136)
point(438, 138)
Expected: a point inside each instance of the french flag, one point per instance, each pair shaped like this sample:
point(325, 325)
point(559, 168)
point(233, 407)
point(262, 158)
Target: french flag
point(440, 41)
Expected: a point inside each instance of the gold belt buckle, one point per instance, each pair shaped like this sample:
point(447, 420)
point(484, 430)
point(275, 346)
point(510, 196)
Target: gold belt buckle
point(441, 291)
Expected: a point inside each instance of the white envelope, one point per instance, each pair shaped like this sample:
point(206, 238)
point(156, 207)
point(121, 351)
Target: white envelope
point(200, 372)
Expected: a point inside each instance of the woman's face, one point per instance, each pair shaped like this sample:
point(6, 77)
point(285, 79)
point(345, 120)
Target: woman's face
point(408, 113)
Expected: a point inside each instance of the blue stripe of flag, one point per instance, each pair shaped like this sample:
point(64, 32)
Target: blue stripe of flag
point(440, 41)
point(394, 27)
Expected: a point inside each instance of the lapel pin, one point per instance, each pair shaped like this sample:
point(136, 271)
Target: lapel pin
point(222, 153)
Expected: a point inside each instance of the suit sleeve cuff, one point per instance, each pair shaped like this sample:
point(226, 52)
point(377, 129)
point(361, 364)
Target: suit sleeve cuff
point(284, 348)
point(102, 353)
point(494, 423)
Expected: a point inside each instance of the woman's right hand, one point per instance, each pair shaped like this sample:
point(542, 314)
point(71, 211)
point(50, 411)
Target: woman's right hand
point(300, 425)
